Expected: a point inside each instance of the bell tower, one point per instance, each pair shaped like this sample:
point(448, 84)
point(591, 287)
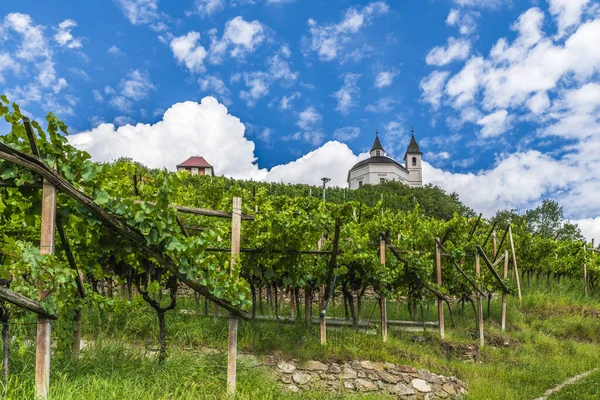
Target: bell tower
point(412, 161)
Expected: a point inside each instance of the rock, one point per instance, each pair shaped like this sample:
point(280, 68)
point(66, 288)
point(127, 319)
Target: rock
point(356, 364)
point(388, 378)
point(365, 385)
point(286, 379)
point(406, 369)
point(250, 360)
point(425, 375)
point(335, 369)
point(367, 365)
point(292, 388)
point(401, 389)
point(446, 387)
point(361, 374)
point(348, 373)
point(349, 385)
point(389, 365)
point(286, 367)
point(270, 360)
point(313, 366)
point(372, 375)
point(420, 385)
point(301, 378)
point(378, 366)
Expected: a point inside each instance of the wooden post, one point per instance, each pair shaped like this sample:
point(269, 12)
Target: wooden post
point(322, 320)
point(382, 300)
point(236, 221)
point(514, 255)
point(292, 303)
point(438, 271)
point(44, 327)
point(503, 318)
point(479, 304)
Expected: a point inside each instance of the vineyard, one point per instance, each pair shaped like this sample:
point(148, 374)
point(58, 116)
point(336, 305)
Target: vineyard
point(242, 250)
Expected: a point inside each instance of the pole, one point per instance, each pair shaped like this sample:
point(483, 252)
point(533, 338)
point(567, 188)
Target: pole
point(479, 304)
point(322, 320)
point(236, 220)
point(383, 304)
point(438, 270)
point(44, 327)
point(503, 318)
point(514, 255)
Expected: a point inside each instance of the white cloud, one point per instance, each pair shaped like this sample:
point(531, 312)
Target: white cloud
point(240, 37)
point(137, 86)
point(7, 63)
point(432, 87)
point(457, 49)
point(258, 84)
point(143, 12)
point(567, 12)
point(383, 105)
point(279, 1)
point(328, 40)
point(208, 129)
point(33, 44)
point(494, 124)
point(64, 37)
point(483, 3)
point(346, 133)
point(214, 85)
point(97, 96)
point(590, 227)
point(115, 51)
point(279, 68)
point(349, 94)
point(189, 52)
point(285, 103)
point(209, 7)
point(465, 20)
point(385, 78)
point(309, 119)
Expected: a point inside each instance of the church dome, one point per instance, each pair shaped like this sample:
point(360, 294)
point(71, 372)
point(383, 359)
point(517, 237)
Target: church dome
point(377, 160)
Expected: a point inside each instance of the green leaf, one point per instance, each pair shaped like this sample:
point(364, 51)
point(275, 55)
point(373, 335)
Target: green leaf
point(101, 197)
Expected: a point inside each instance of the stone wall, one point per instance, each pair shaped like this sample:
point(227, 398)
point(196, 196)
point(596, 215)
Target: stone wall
point(365, 376)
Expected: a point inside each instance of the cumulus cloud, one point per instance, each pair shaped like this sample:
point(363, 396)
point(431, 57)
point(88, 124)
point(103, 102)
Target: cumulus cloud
point(349, 94)
point(567, 12)
point(385, 78)
point(329, 40)
point(189, 52)
point(64, 37)
point(215, 86)
point(286, 100)
point(135, 87)
point(346, 133)
point(143, 12)
point(207, 129)
point(432, 87)
point(383, 105)
point(239, 38)
point(494, 124)
point(115, 51)
point(457, 49)
point(209, 7)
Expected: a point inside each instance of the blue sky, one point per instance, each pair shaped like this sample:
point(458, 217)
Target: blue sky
point(504, 95)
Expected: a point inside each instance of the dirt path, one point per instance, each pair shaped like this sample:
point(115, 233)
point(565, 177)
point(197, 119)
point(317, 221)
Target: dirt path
point(560, 386)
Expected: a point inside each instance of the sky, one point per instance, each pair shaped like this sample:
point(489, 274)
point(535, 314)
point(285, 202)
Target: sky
point(503, 95)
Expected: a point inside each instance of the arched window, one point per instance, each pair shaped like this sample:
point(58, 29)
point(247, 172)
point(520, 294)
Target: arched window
point(377, 153)
point(414, 161)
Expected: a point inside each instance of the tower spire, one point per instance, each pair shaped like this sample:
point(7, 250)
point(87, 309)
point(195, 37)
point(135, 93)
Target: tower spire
point(377, 149)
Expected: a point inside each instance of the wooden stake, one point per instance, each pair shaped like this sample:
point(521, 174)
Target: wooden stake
point(479, 304)
point(322, 320)
point(514, 255)
point(438, 270)
point(382, 300)
point(503, 318)
point(44, 327)
point(236, 222)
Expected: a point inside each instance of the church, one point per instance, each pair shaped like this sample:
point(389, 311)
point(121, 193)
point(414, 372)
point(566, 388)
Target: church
point(379, 168)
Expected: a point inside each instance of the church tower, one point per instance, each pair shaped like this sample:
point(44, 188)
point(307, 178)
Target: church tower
point(412, 160)
point(377, 149)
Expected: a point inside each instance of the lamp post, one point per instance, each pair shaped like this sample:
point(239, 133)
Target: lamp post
point(325, 180)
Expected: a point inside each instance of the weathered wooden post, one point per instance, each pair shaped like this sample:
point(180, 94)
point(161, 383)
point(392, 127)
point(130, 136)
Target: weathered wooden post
point(479, 303)
point(514, 256)
point(44, 327)
point(382, 299)
point(504, 294)
point(236, 221)
point(322, 320)
point(438, 271)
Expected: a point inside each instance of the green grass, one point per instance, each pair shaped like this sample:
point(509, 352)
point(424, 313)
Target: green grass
point(587, 388)
point(553, 335)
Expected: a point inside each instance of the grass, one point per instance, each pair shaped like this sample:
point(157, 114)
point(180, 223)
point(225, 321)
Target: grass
point(552, 336)
point(587, 388)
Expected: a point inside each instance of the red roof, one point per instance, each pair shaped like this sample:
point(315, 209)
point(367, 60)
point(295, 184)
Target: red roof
point(195, 161)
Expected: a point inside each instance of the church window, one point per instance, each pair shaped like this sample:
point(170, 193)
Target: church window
point(414, 161)
point(359, 183)
point(377, 153)
point(381, 180)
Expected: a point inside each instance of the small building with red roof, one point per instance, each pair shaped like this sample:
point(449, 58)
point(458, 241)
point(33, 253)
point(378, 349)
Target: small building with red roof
point(196, 165)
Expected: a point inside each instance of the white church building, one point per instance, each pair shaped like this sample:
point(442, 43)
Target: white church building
point(379, 168)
